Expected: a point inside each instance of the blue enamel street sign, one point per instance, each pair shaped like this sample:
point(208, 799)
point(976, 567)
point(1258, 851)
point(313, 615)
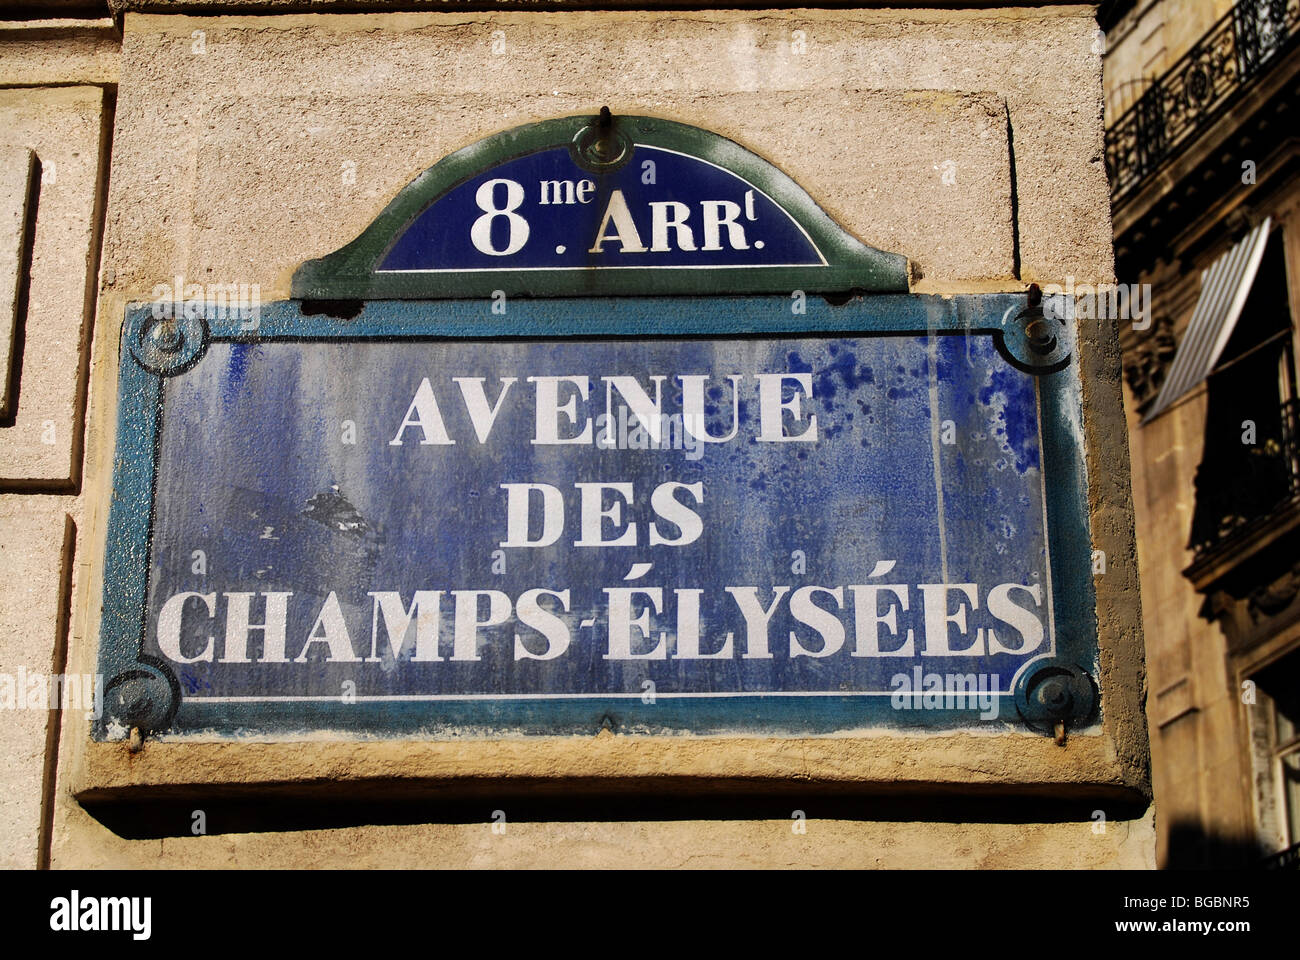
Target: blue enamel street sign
point(490, 516)
point(528, 212)
point(637, 207)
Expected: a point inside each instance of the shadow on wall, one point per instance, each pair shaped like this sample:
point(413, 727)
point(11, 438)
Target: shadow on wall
point(285, 808)
point(1190, 846)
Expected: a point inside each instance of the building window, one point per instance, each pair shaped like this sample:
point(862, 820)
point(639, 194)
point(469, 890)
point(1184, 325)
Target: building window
point(1249, 467)
point(1279, 686)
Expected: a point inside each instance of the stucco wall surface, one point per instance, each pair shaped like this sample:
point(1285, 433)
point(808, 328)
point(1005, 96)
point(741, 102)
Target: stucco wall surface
point(866, 119)
point(58, 52)
point(35, 535)
point(40, 440)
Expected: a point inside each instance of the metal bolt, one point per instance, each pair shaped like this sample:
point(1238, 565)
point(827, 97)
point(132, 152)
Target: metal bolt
point(1040, 336)
point(136, 701)
point(1054, 693)
point(603, 147)
point(166, 335)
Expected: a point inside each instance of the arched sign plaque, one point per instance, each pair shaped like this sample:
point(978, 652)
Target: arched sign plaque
point(628, 206)
point(601, 424)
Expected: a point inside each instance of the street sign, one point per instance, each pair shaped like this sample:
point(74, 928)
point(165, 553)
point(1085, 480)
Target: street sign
point(425, 516)
point(637, 206)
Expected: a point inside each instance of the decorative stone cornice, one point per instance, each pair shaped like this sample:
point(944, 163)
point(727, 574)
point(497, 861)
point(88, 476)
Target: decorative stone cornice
point(1146, 360)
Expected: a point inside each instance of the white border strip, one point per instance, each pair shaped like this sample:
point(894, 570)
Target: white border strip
point(419, 698)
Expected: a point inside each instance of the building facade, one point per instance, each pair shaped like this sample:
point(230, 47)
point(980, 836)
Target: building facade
point(1201, 152)
point(150, 144)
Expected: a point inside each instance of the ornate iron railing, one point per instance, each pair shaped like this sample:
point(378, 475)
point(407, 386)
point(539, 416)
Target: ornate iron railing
point(1288, 859)
point(1240, 492)
point(1194, 91)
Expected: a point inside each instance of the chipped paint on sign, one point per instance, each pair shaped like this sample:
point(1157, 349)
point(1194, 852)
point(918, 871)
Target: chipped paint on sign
point(411, 526)
point(403, 563)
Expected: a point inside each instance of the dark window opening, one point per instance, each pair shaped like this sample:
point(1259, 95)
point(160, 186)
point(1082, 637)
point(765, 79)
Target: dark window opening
point(1249, 466)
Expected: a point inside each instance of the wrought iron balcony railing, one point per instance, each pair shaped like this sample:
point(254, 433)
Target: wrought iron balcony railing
point(1239, 494)
point(1233, 54)
point(1288, 859)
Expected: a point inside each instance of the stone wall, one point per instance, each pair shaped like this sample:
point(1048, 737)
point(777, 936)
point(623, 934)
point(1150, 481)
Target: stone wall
point(969, 140)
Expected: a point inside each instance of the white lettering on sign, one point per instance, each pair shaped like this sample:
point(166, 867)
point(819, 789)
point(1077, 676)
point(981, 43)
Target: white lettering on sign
point(480, 232)
point(738, 617)
point(620, 217)
point(565, 191)
point(670, 219)
point(452, 622)
point(558, 421)
point(670, 224)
